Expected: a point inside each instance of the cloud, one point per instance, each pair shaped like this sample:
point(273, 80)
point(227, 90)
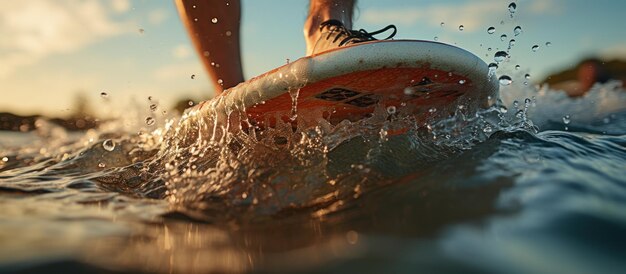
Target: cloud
point(181, 51)
point(157, 16)
point(473, 15)
point(470, 15)
point(34, 29)
point(545, 7)
point(120, 6)
point(178, 71)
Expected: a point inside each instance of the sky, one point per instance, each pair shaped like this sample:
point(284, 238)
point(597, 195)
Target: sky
point(50, 51)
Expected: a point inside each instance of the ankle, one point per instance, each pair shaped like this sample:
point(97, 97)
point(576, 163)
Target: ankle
point(323, 10)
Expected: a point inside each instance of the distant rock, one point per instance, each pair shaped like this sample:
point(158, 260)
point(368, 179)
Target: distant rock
point(14, 122)
point(580, 78)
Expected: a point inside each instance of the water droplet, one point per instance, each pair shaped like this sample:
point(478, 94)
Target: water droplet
point(409, 91)
point(104, 94)
point(517, 67)
point(150, 121)
point(503, 109)
point(442, 24)
point(190, 103)
point(517, 30)
point(102, 165)
point(5, 159)
point(527, 76)
point(432, 110)
point(193, 76)
point(436, 38)
point(108, 145)
point(535, 48)
point(141, 31)
point(214, 20)
point(461, 81)
point(548, 44)
point(229, 33)
point(212, 64)
point(512, 8)
point(492, 69)
point(461, 27)
point(503, 37)
point(487, 129)
point(220, 82)
point(511, 43)
point(505, 80)
point(352, 237)
point(488, 49)
point(500, 56)
point(153, 107)
point(566, 119)
point(195, 19)
point(491, 30)
point(149, 98)
point(391, 109)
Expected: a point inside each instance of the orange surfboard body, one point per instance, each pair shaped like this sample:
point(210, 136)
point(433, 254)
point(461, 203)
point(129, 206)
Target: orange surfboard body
point(350, 82)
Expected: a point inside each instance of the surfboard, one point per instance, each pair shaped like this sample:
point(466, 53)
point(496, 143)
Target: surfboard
point(350, 82)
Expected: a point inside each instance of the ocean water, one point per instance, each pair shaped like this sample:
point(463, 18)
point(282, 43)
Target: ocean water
point(535, 184)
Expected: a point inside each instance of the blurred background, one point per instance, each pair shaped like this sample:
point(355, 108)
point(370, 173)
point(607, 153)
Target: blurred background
point(83, 60)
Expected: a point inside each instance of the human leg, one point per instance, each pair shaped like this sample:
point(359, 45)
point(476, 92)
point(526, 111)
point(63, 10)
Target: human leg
point(323, 10)
point(213, 26)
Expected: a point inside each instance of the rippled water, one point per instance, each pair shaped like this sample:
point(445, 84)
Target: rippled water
point(534, 185)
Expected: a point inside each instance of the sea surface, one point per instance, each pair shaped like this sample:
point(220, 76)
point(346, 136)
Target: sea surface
point(535, 184)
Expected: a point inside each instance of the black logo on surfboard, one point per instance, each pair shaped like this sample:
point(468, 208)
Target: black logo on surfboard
point(337, 94)
point(355, 98)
